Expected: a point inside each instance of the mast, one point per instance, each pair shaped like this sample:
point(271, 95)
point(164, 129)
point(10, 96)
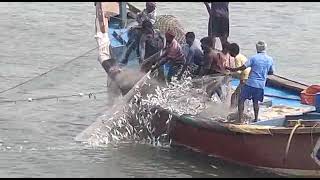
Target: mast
point(123, 13)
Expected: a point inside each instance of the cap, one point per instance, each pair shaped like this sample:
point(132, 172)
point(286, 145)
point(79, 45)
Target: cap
point(261, 46)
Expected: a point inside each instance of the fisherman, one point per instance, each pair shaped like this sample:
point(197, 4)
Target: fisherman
point(214, 61)
point(224, 58)
point(192, 52)
point(209, 57)
point(261, 65)
point(149, 13)
point(210, 62)
point(151, 42)
point(147, 41)
point(240, 59)
point(134, 33)
point(218, 25)
point(172, 60)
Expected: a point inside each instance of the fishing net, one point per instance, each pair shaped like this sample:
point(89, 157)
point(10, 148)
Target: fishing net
point(142, 120)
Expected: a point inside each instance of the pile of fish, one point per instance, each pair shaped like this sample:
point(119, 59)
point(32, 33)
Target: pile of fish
point(133, 121)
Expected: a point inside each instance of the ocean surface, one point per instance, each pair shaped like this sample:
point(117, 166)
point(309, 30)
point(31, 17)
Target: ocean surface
point(37, 137)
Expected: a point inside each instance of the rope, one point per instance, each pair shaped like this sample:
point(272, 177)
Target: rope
point(48, 71)
point(289, 140)
point(55, 97)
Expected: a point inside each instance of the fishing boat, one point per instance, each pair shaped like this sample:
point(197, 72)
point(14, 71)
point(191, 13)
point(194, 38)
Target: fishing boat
point(113, 22)
point(288, 143)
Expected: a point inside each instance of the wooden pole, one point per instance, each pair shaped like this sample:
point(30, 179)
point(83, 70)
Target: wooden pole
point(123, 13)
point(102, 35)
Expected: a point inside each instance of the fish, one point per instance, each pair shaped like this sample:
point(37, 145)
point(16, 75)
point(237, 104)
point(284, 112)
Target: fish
point(180, 97)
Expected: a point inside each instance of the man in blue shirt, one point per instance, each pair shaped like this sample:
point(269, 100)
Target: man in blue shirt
point(261, 66)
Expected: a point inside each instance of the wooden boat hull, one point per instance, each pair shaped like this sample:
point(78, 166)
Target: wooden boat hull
point(252, 148)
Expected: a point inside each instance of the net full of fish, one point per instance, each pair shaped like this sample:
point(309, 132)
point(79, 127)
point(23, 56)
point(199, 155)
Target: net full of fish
point(133, 121)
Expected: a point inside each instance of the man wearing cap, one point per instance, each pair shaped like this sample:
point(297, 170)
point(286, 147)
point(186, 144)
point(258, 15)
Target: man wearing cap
point(261, 65)
point(172, 59)
point(149, 13)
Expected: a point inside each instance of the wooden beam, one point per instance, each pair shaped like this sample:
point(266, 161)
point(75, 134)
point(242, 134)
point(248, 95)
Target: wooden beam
point(123, 13)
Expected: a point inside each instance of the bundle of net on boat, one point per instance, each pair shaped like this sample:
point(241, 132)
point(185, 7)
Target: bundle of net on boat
point(166, 22)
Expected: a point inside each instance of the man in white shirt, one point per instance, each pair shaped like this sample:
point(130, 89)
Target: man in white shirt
point(149, 13)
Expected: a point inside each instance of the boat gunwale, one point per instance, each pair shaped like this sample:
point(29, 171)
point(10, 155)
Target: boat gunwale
point(237, 129)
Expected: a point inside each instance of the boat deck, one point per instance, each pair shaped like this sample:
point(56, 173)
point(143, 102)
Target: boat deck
point(279, 96)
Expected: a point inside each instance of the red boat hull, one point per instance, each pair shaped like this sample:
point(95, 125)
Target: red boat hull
point(256, 150)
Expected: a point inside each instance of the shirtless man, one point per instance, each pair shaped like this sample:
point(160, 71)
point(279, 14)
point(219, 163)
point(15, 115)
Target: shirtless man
point(211, 63)
point(214, 62)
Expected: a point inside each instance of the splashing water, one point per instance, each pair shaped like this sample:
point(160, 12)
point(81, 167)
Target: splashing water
point(134, 121)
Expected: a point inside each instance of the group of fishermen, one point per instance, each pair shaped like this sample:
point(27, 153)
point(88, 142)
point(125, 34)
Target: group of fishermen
point(201, 58)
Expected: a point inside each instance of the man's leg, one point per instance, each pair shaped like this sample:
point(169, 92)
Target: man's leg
point(220, 93)
point(137, 44)
point(161, 73)
point(213, 41)
point(223, 39)
point(172, 71)
point(235, 96)
point(211, 32)
point(241, 109)
point(256, 110)
point(243, 95)
point(223, 29)
point(258, 96)
point(131, 46)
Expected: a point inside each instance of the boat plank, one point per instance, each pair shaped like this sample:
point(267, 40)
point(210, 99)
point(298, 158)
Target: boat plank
point(275, 80)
